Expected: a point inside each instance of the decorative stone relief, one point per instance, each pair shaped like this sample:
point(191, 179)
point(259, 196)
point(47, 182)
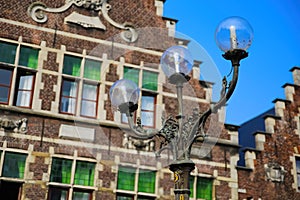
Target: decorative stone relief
point(38, 9)
point(142, 145)
point(17, 126)
point(275, 172)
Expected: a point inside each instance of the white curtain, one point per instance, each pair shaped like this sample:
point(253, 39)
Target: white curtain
point(24, 90)
point(88, 102)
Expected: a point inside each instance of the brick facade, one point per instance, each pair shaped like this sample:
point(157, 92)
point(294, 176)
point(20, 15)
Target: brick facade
point(103, 143)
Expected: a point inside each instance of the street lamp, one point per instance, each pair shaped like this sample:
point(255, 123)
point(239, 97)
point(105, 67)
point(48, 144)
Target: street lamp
point(233, 36)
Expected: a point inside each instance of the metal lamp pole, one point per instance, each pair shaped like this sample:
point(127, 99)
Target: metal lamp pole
point(234, 35)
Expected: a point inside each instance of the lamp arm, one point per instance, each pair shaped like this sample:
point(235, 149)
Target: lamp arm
point(138, 132)
point(197, 129)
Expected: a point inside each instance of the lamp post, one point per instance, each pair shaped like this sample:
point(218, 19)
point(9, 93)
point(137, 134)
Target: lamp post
point(233, 36)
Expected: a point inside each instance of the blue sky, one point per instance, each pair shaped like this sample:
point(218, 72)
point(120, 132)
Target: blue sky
point(275, 49)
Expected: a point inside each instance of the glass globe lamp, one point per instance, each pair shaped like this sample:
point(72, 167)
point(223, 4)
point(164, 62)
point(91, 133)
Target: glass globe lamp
point(234, 33)
point(176, 60)
point(124, 95)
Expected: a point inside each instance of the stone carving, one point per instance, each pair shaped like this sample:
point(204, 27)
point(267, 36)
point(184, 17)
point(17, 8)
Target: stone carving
point(17, 126)
point(38, 9)
point(275, 172)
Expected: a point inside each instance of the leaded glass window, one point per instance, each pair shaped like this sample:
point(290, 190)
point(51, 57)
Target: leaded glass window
point(72, 65)
point(92, 69)
point(131, 74)
point(135, 181)
point(14, 165)
point(7, 52)
point(150, 80)
point(61, 170)
point(29, 57)
point(84, 174)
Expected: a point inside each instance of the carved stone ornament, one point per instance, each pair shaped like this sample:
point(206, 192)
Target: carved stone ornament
point(17, 126)
point(275, 172)
point(38, 9)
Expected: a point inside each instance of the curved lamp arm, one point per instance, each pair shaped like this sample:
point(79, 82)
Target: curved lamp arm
point(138, 132)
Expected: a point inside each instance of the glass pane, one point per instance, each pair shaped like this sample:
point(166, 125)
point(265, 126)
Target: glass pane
point(298, 165)
point(131, 74)
point(61, 170)
point(89, 92)
point(58, 194)
point(14, 165)
point(124, 197)
point(126, 178)
point(84, 174)
point(23, 98)
point(4, 91)
point(146, 181)
point(26, 82)
point(29, 57)
point(68, 105)
point(124, 118)
point(92, 69)
point(148, 103)
point(145, 198)
point(88, 108)
point(204, 188)
point(7, 52)
point(192, 179)
point(5, 77)
point(72, 65)
point(147, 118)
point(150, 80)
point(69, 89)
point(81, 195)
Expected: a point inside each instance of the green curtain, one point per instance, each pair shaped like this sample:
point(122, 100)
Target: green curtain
point(126, 178)
point(72, 65)
point(14, 165)
point(84, 173)
point(150, 80)
point(61, 170)
point(29, 57)
point(146, 182)
point(92, 69)
point(7, 52)
point(131, 74)
point(204, 188)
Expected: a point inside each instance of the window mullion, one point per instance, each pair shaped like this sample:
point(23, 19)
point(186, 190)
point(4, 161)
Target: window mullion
point(2, 161)
point(136, 182)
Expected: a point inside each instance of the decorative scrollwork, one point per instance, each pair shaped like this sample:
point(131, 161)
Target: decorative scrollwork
point(38, 9)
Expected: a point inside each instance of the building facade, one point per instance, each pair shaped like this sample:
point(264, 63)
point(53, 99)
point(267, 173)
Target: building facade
point(269, 168)
point(60, 138)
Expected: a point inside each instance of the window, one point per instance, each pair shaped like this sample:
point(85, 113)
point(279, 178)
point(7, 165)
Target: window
point(62, 181)
point(137, 183)
point(68, 96)
point(148, 97)
point(148, 109)
point(5, 84)
point(7, 52)
point(25, 76)
point(24, 88)
point(298, 171)
point(201, 188)
point(80, 89)
point(13, 167)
